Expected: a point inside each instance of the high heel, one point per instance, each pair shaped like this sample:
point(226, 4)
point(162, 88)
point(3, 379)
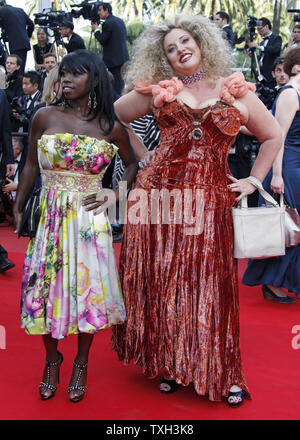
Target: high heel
point(77, 387)
point(270, 295)
point(167, 386)
point(47, 385)
point(235, 398)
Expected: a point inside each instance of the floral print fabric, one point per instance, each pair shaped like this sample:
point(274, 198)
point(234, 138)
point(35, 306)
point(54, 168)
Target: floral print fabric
point(70, 280)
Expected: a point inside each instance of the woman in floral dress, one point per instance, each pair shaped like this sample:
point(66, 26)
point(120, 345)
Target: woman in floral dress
point(70, 280)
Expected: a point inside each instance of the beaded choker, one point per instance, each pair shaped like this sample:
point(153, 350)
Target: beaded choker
point(195, 77)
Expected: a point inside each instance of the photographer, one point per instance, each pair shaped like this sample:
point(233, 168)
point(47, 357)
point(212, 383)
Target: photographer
point(24, 106)
point(222, 20)
point(113, 39)
point(50, 61)
point(12, 182)
point(269, 50)
point(294, 41)
point(14, 77)
point(18, 29)
point(74, 40)
point(6, 154)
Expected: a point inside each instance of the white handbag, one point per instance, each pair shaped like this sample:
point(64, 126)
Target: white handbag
point(259, 232)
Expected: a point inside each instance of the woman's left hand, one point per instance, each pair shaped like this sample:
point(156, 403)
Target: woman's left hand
point(242, 186)
point(277, 184)
point(100, 201)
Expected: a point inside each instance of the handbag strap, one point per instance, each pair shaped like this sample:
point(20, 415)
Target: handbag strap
point(268, 198)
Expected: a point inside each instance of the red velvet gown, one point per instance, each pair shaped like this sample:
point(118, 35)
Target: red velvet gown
point(181, 291)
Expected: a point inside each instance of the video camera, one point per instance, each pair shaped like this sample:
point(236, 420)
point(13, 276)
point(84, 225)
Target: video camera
point(253, 22)
point(88, 11)
point(266, 94)
point(52, 19)
point(19, 106)
point(297, 14)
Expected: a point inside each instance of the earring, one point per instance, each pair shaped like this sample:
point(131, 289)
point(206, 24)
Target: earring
point(92, 103)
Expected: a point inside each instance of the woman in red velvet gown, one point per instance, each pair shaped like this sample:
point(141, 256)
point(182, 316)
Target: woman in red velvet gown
point(179, 279)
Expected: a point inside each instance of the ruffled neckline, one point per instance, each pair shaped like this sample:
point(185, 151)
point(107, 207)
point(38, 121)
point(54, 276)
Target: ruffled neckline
point(234, 86)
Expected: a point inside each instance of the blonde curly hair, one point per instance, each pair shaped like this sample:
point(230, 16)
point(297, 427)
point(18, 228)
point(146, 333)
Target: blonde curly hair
point(150, 63)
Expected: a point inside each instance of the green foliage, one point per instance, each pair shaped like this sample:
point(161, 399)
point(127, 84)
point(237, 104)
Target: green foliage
point(134, 29)
point(139, 13)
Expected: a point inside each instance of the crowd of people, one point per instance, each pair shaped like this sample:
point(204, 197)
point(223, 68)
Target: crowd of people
point(177, 116)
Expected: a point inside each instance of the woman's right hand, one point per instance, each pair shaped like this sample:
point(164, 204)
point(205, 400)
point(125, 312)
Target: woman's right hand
point(277, 184)
point(146, 159)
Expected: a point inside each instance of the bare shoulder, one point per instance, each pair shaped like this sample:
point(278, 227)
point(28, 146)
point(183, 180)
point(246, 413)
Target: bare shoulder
point(48, 111)
point(45, 117)
point(288, 94)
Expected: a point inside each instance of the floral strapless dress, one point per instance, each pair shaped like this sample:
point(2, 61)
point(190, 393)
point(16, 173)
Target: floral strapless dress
point(70, 279)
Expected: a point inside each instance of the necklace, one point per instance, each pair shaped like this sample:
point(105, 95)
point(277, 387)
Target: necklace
point(195, 77)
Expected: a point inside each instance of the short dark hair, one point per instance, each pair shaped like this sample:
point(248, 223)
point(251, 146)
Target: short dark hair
point(105, 6)
point(34, 77)
point(68, 24)
point(17, 57)
point(223, 15)
point(83, 61)
point(279, 60)
point(290, 60)
point(265, 21)
point(48, 55)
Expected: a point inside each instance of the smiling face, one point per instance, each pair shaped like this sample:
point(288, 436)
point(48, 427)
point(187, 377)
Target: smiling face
point(75, 86)
point(182, 51)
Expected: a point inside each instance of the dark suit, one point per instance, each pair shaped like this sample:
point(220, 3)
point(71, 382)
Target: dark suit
point(34, 102)
point(267, 57)
point(6, 158)
point(75, 42)
point(228, 34)
point(18, 28)
point(30, 103)
point(14, 85)
point(6, 151)
point(115, 52)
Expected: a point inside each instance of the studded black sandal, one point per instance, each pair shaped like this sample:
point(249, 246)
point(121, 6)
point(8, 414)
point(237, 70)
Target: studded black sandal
point(47, 387)
point(167, 386)
point(77, 388)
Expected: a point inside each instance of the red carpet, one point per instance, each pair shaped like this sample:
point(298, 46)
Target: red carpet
point(121, 392)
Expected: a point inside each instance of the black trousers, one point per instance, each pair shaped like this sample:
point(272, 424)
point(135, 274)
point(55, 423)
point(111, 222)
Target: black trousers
point(3, 253)
point(118, 80)
point(23, 55)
